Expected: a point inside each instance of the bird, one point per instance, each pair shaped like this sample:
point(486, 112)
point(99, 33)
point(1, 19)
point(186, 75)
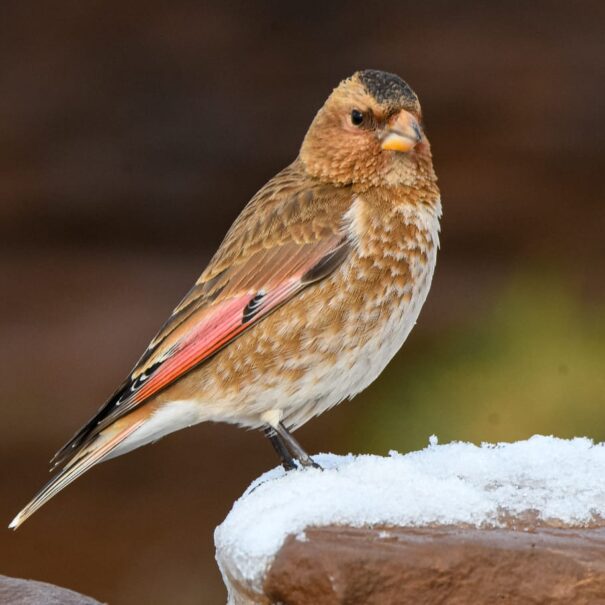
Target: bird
point(313, 290)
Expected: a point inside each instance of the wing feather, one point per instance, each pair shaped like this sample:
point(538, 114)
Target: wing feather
point(284, 240)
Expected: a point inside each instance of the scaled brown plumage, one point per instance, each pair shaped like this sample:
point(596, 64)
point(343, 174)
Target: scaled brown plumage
point(313, 290)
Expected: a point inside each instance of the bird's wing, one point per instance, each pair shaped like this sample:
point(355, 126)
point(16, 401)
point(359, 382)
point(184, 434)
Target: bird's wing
point(290, 235)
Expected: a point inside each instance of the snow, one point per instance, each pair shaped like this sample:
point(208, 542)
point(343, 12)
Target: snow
point(544, 479)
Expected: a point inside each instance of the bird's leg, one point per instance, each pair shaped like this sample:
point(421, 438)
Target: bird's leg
point(294, 446)
point(280, 447)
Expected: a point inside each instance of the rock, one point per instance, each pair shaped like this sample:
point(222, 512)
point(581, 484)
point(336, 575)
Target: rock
point(14, 591)
point(459, 524)
point(457, 566)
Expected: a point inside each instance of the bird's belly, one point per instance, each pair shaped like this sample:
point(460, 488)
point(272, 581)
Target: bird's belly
point(362, 349)
point(326, 346)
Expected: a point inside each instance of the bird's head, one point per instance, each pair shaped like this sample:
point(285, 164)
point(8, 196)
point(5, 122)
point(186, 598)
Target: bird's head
point(369, 132)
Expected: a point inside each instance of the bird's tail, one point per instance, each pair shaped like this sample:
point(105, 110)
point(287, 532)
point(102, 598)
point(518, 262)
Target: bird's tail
point(98, 450)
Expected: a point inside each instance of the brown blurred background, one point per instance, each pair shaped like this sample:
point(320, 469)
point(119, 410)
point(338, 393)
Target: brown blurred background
point(132, 133)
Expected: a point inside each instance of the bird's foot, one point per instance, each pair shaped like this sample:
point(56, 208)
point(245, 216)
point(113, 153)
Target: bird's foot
point(291, 453)
point(295, 448)
point(308, 462)
point(289, 465)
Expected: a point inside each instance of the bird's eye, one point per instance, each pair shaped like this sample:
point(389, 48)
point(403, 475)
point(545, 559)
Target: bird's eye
point(356, 117)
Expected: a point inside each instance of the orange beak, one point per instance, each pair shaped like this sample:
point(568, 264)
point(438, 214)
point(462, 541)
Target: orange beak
point(402, 134)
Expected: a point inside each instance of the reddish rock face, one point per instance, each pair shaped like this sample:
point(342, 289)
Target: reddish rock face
point(392, 566)
point(15, 591)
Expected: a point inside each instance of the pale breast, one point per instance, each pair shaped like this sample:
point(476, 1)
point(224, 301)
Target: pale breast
point(377, 297)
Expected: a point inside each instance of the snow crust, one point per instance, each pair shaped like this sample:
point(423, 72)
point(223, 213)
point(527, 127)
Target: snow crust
point(545, 479)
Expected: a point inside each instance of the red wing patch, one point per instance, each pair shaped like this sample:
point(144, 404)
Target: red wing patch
point(219, 326)
point(252, 292)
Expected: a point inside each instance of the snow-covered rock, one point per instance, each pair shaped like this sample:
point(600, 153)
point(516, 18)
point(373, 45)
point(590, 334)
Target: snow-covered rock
point(543, 481)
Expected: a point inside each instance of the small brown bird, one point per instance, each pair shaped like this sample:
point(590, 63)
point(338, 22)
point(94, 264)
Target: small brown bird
point(313, 290)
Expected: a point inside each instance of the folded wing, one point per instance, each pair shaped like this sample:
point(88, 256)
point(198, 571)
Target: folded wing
point(251, 276)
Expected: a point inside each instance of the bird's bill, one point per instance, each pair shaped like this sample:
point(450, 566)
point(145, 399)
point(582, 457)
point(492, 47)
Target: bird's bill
point(402, 134)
